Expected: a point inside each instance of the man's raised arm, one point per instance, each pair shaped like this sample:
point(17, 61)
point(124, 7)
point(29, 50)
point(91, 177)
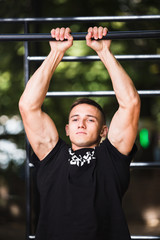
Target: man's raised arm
point(40, 129)
point(124, 125)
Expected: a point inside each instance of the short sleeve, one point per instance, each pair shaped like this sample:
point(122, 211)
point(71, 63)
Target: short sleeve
point(121, 165)
point(117, 155)
point(35, 160)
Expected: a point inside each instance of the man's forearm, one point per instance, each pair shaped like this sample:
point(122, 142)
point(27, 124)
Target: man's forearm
point(122, 83)
point(38, 84)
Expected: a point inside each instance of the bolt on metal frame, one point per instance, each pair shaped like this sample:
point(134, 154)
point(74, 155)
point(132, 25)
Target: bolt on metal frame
point(26, 37)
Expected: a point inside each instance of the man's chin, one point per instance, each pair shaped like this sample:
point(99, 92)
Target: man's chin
point(83, 144)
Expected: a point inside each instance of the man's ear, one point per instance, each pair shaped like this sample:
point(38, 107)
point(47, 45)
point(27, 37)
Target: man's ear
point(67, 130)
point(104, 131)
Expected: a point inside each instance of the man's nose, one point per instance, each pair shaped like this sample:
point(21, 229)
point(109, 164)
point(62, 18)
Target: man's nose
point(81, 123)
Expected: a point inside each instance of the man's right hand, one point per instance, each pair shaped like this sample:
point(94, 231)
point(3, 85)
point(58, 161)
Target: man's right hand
point(61, 34)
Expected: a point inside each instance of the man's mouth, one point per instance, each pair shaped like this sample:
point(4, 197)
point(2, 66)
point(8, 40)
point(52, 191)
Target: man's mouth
point(81, 133)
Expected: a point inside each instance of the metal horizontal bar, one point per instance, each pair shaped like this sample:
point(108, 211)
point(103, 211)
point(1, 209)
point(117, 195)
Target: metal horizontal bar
point(132, 237)
point(134, 165)
point(144, 165)
point(83, 19)
point(97, 93)
point(149, 92)
point(82, 36)
point(80, 93)
point(96, 58)
point(145, 237)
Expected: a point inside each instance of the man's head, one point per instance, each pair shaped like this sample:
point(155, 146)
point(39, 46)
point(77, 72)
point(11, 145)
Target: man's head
point(86, 125)
point(89, 102)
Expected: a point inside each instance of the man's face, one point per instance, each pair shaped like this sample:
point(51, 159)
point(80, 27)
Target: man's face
point(85, 127)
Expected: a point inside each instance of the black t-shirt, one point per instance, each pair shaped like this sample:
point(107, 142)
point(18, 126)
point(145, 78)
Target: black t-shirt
point(81, 193)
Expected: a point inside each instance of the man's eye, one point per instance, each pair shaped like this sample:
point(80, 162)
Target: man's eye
point(74, 119)
point(91, 120)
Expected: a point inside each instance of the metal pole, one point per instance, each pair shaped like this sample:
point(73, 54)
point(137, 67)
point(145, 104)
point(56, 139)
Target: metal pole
point(84, 19)
point(28, 149)
point(148, 93)
point(133, 165)
point(144, 165)
point(145, 57)
point(138, 237)
point(82, 36)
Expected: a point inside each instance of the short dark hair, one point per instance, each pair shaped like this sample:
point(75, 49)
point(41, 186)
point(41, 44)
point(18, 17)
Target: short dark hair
point(90, 102)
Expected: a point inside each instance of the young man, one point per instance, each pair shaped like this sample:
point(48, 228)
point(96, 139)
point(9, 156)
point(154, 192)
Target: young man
point(81, 187)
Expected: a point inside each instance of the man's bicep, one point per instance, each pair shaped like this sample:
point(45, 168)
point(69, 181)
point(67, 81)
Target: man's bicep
point(123, 129)
point(41, 132)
